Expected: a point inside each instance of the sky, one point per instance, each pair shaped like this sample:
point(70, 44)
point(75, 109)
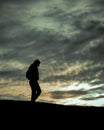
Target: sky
point(67, 36)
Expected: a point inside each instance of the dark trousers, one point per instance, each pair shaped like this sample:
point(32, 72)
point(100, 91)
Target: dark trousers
point(35, 89)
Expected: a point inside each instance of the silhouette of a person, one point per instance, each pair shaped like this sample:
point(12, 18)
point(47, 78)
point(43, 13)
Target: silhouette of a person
point(33, 81)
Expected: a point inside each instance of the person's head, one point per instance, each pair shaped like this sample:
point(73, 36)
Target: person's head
point(37, 62)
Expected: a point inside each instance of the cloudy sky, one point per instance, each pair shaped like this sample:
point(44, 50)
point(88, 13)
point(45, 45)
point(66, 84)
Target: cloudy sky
point(68, 38)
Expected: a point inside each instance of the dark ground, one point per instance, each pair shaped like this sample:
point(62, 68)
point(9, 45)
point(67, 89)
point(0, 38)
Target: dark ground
point(43, 115)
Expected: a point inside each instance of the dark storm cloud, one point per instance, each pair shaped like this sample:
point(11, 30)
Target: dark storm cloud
point(23, 38)
point(98, 91)
point(93, 2)
point(10, 96)
point(20, 51)
point(12, 73)
point(31, 40)
point(64, 94)
point(71, 3)
point(83, 94)
point(15, 1)
point(86, 75)
point(93, 98)
point(55, 12)
point(89, 30)
point(98, 2)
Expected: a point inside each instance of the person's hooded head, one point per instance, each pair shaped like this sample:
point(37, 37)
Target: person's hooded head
point(37, 62)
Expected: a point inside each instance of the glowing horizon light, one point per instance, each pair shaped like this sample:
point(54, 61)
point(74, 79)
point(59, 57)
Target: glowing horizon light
point(78, 102)
point(84, 86)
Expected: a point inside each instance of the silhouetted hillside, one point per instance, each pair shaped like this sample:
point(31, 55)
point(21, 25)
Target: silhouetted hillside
point(24, 111)
point(12, 106)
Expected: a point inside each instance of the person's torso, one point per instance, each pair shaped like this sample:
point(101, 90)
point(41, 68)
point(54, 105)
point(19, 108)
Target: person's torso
point(34, 74)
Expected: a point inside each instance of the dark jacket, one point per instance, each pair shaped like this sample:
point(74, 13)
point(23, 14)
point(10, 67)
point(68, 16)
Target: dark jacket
point(34, 73)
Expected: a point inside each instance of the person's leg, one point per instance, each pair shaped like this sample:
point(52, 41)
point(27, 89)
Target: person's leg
point(33, 90)
point(38, 90)
point(33, 94)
